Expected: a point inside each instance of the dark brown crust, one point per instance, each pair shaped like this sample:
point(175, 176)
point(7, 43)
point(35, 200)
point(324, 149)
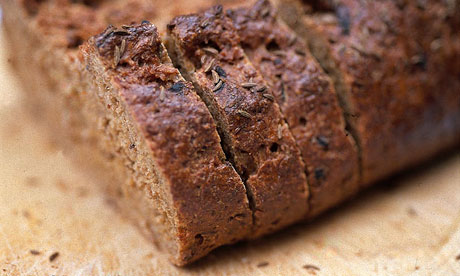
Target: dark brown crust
point(254, 132)
point(308, 101)
point(182, 137)
point(67, 24)
point(402, 79)
point(418, 122)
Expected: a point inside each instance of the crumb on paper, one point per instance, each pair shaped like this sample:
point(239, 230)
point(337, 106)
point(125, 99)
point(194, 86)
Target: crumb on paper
point(34, 252)
point(53, 256)
point(262, 264)
point(311, 267)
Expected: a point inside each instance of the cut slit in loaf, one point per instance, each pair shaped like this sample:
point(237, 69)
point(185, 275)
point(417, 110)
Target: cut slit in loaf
point(255, 135)
point(307, 99)
point(175, 141)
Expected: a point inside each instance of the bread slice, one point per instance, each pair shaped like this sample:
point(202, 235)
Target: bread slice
point(308, 101)
point(169, 139)
point(398, 83)
point(255, 136)
point(165, 170)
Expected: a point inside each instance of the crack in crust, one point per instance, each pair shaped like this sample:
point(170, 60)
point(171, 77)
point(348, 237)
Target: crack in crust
point(308, 101)
point(180, 137)
point(251, 125)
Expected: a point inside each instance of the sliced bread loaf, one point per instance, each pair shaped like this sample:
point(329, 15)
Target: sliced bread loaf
point(121, 108)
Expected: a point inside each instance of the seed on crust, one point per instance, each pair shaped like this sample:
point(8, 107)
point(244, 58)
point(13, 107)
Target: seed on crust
point(209, 65)
point(215, 76)
point(248, 85)
point(162, 94)
point(268, 96)
point(244, 113)
point(262, 88)
point(218, 86)
point(122, 47)
point(211, 50)
point(116, 56)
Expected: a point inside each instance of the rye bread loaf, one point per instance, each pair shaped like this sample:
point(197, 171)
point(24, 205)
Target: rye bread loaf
point(398, 82)
point(206, 48)
point(98, 129)
point(308, 101)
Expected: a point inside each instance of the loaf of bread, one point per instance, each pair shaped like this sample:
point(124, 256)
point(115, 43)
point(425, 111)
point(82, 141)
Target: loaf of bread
point(257, 123)
point(395, 65)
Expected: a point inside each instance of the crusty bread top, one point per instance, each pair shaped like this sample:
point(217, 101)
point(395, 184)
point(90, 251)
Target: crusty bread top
point(253, 129)
point(67, 24)
point(307, 99)
point(403, 89)
point(208, 196)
